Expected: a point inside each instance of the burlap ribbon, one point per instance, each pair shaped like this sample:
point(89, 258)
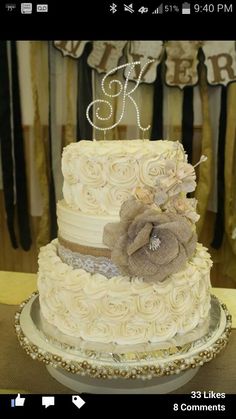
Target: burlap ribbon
point(84, 250)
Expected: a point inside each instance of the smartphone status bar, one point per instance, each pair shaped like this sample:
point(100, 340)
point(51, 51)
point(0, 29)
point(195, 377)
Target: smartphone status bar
point(126, 8)
point(185, 8)
point(115, 19)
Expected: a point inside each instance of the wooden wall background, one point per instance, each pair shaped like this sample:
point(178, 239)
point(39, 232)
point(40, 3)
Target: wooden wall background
point(20, 261)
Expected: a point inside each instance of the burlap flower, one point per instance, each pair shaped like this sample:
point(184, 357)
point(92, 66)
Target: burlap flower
point(149, 244)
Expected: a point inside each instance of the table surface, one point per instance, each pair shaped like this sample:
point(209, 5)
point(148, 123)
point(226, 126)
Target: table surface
point(19, 371)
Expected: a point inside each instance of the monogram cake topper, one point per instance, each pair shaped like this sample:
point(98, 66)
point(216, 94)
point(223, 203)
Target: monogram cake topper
point(123, 92)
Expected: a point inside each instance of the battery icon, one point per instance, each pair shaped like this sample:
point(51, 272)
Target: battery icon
point(186, 8)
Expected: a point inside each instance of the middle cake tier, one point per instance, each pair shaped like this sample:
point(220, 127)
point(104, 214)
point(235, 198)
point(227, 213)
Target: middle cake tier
point(78, 230)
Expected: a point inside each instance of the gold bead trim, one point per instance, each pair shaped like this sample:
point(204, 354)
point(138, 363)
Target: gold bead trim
point(148, 371)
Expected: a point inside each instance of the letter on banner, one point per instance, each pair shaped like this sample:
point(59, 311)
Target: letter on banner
point(72, 48)
point(220, 60)
point(181, 63)
point(144, 51)
point(105, 55)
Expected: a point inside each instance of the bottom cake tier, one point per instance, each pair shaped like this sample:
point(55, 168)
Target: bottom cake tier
point(120, 309)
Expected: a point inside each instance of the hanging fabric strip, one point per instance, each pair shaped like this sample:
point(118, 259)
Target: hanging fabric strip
point(1, 181)
point(205, 169)
point(52, 125)
point(214, 103)
point(84, 96)
point(187, 121)
point(157, 119)
point(19, 157)
point(6, 142)
point(71, 74)
point(219, 221)
point(227, 251)
point(39, 77)
point(172, 113)
point(230, 167)
point(58, 99)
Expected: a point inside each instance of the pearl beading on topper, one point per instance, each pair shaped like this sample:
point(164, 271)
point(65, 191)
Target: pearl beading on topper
point(122, 90)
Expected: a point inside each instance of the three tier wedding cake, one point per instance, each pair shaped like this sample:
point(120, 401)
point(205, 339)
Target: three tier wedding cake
point(126, 267)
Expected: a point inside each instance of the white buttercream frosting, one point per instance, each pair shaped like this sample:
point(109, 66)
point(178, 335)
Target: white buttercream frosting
point(100, 175)
point(123, 310)
point(81, 228)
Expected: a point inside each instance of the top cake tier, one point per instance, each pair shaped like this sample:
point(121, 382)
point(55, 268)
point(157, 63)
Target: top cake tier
point(100, 175)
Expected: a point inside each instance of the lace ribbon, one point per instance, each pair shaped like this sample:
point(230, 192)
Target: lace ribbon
point(89, 263)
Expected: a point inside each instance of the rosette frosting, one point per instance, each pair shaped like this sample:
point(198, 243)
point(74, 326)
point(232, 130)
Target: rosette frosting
point(123, 310)
point(98, 172)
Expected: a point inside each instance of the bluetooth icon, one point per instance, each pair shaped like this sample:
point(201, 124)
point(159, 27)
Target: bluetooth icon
point(113, 8)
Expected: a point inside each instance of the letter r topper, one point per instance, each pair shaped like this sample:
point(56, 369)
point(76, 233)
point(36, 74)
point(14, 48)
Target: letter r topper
point(220, 60)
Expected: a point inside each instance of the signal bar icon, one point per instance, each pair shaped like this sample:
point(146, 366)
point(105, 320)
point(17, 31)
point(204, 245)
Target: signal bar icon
point(129, 8)
point(158, 10)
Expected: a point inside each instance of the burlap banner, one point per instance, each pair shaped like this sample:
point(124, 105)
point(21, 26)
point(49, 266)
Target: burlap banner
point(181, 59)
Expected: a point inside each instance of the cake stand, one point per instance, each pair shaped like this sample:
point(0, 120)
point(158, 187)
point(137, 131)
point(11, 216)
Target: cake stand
point(114, 369)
